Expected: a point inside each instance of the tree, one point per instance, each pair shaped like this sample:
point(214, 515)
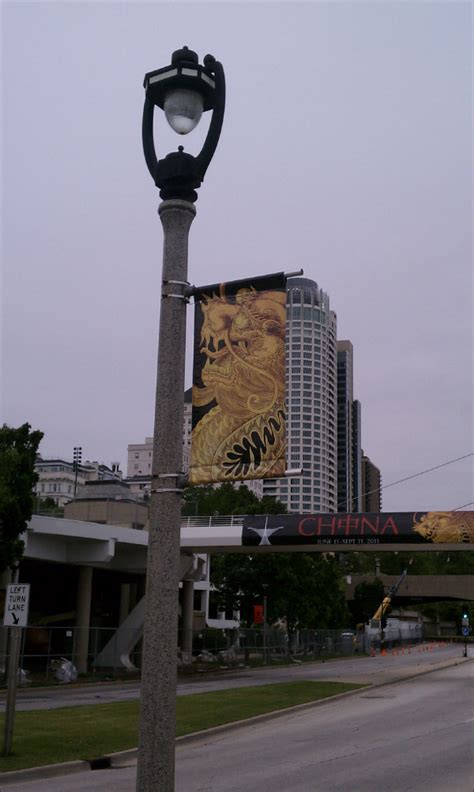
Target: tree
point(49, 506)
point(226, 499)
point(302, 588)
point(459, 562)
point(18, 451)
point(367, 598)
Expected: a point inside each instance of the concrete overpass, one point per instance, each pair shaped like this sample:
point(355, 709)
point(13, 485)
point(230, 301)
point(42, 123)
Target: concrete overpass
point(426, 588)
point(116, 547)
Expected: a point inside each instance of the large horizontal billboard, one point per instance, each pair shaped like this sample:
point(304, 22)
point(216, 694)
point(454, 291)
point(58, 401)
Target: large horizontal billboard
point(359, 530)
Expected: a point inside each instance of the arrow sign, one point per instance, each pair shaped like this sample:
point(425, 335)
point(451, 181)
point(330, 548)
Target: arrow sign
point(16, 605)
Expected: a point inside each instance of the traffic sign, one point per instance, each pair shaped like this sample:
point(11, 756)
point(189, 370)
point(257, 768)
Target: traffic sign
point(16, 605)
point(465, 630)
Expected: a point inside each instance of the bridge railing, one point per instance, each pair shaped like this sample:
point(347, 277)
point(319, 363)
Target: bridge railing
point(208, 522)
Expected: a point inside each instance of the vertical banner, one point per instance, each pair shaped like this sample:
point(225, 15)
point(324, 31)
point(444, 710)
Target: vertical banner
point(238, 423)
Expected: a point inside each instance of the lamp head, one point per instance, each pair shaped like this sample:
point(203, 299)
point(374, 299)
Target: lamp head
point(184, 90)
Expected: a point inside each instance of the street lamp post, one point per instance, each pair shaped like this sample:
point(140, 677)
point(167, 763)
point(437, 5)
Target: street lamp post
point(183, 90)
point(77, 459)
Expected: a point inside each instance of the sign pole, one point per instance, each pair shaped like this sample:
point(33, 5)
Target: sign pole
point(14, 645)
point(13, 668)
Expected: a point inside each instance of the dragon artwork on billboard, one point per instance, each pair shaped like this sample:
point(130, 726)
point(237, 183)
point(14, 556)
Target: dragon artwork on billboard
point(238, 395)
point(356, 530)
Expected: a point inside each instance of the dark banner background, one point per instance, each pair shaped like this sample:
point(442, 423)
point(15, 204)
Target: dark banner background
point(359, 529)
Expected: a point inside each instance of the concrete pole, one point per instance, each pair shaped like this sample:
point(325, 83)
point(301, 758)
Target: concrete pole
point(83, 618)
point(156, 756)
point(188, 613)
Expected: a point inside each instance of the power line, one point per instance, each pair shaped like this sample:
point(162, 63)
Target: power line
point(471, 503)
point(415, 475)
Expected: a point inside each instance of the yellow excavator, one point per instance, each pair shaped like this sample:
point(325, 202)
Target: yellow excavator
point(386, 603)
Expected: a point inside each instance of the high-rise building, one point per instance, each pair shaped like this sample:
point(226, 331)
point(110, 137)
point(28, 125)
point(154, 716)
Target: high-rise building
point(345, 393)
point(356, 457)
point(371, 486)
point(311, 376)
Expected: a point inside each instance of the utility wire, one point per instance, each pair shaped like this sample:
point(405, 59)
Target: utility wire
point(471, 503)
point(414, 475)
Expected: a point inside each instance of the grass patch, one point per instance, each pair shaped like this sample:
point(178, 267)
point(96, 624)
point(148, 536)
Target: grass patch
point(87, 732)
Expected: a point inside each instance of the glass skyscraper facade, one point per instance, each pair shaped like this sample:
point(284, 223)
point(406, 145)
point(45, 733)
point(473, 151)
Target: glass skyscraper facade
point(311, 388)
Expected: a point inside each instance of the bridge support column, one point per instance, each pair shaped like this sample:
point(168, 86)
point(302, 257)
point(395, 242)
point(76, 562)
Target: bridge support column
point(187, 621)
point(124, 602)
point(83, 617)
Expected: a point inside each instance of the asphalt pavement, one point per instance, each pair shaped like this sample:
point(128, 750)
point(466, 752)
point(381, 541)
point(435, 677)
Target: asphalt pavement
point(409, 735)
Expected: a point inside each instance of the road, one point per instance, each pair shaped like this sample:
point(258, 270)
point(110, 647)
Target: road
point(361, 669)
point(412, 736)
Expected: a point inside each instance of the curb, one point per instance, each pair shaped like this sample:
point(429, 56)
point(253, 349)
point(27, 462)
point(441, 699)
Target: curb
point(44, 771)
point(123, 758)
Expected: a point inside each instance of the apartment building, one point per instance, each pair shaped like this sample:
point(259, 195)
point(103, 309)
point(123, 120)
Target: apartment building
point(60, 479)
point(371, 486)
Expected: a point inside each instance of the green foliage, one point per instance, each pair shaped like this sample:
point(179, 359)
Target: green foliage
point(451, 610)
point(457, 562)
point(302, 588)
point(367, 598)
point(18, 450)
point(226, 499)
point(49, 506)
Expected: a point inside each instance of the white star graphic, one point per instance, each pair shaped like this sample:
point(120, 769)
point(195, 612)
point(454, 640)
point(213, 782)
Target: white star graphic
point(265, 533)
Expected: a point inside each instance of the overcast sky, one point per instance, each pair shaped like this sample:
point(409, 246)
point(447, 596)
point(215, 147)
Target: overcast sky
point(345, 150)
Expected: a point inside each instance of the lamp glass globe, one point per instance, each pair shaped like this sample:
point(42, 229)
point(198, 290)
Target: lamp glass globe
point(183, 109)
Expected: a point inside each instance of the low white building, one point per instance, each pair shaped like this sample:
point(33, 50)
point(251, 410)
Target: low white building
point(59, 480)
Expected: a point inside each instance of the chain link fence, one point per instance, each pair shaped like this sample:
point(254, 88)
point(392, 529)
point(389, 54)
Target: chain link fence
point(109, 654)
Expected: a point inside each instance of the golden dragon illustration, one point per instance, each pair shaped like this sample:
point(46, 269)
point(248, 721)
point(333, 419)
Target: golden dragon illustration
point(243, 434)
point(445, 527)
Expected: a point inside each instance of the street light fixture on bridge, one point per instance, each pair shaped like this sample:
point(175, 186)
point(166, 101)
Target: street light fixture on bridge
point(183, 90)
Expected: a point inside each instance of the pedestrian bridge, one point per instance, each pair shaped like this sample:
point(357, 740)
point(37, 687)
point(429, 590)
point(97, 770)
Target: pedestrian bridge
point(116, 547)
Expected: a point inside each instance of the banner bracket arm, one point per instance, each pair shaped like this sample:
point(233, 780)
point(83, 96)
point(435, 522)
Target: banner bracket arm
point(177, 297)
point(294, 472)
